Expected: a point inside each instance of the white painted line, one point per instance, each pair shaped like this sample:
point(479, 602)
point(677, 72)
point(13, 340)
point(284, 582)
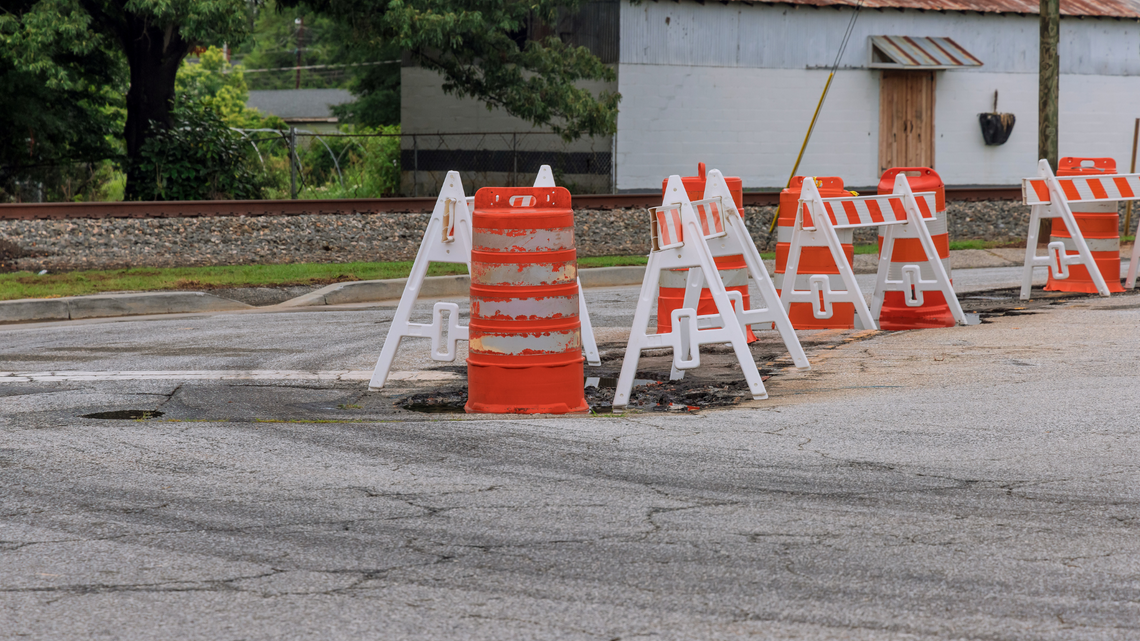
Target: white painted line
point(216, 375)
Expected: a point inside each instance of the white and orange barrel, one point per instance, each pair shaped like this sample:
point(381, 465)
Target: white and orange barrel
point(813, 260)
point(1099, 224)
point(934, 310)
point(525, 345)
point(733, 270)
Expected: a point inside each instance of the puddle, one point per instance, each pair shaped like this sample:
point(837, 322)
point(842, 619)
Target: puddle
point(125, 415)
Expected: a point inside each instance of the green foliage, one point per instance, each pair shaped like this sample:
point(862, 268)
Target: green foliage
point(369, 166)
point(274, 42)
point(476, 45)
point(62, 103)
point(199, 158)
point(221, 88)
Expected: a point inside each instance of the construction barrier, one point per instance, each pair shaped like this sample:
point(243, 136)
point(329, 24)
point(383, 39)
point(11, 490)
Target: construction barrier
point(934, 311)
point(1099, 223)
point(816, 260)
point(1050, 197)
point(525, 349)
point(685, 235)
point(817, 223)
point(733, 270)
point(447, 239)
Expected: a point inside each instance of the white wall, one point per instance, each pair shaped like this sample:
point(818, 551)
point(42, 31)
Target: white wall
point(798, 37)
point(735, 87)
point(745, 122)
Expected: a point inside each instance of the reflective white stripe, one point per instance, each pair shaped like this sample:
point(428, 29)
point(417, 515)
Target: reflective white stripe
point(846, 236)
point(1095, 244)
point(835, 281)
point(730, 277)
point(524, 275)
point(523, 240)
point(517, 344)
point(936, 227)
point(525, 308)
point(924, 269)
point(1094, 208)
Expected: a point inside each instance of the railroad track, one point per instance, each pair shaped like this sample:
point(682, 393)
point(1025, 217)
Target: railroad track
point(215, 208)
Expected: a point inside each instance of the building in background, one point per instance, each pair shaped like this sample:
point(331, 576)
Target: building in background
point(308, 109)
point(734, 84)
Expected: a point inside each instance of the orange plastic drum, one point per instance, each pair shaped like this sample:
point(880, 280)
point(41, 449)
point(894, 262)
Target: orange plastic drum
point(525, 347)
point(1099, 224)
point(813, 260)
point(933, 312)
point(733, 270)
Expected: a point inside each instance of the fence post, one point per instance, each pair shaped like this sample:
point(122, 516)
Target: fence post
point(415, 167)
point(292, 163)
point(515, 158)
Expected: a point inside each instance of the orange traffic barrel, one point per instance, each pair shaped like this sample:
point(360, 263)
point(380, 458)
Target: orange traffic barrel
point(525, 338)
point(733, 270)
point(1099, 224)
point(813, 260)
point(934, 311)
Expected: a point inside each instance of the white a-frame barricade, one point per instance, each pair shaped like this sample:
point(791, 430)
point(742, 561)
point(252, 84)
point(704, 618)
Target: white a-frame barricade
point(903, 213)
point(448, 240)
point(689, 235)
point(1050, 196)
point(545, 178)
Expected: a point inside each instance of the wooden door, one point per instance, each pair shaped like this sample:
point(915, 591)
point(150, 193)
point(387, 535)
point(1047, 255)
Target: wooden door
point(906, 119)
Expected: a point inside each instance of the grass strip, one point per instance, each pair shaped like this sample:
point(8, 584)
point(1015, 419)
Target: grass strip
point(18, 285)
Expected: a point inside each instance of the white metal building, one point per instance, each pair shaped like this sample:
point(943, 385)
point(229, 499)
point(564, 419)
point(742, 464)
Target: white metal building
point(734, 84)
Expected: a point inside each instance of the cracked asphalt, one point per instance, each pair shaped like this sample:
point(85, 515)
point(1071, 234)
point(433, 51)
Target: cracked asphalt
point(975, 482)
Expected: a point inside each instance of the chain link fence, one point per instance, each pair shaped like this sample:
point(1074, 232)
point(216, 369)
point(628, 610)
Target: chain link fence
point(510, 159)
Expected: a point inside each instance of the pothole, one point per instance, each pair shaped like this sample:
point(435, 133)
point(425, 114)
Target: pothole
point(125, 415)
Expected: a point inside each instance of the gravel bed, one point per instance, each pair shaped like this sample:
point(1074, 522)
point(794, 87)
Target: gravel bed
point(62, 245)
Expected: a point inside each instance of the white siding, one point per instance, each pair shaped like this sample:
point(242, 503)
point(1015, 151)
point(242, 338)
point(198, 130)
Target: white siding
point(745, 122)
point(791, 37)
point(751, 122)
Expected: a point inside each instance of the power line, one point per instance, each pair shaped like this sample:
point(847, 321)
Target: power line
point(355, 64)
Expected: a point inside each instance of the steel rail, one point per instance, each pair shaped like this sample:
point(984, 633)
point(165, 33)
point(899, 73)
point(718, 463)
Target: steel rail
point(252, 208)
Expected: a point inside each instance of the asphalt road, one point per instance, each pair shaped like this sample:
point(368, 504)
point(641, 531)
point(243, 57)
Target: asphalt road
point(965, 483)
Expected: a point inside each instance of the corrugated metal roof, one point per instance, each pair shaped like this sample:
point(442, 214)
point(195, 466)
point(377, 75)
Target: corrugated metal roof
point(1089, 8)
point(912, 52)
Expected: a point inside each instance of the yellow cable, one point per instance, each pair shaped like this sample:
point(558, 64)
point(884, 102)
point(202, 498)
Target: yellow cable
point(803, 147)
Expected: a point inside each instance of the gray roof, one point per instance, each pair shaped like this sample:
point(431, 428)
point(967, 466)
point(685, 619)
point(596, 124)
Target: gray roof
point(298, 103)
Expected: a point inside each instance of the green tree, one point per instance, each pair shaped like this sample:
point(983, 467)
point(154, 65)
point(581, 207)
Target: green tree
point(154, 36)
point(480, 49)
point(61, 108)
point(220, 87)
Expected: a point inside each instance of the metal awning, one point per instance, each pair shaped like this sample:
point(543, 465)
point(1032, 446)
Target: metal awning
point(917, 52)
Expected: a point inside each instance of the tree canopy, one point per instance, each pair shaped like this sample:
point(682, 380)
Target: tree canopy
point(480, 47)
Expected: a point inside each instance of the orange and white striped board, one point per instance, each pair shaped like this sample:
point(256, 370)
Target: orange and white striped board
point(903, 213)
point(693, 234)
point(447, 239)
point(1049, 196)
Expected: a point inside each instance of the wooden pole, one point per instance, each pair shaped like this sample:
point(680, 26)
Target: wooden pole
point(1131, 170)
point(1048, 83)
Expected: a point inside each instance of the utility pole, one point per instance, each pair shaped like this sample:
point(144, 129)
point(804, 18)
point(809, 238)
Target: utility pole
point(1048, 82)
point(300, 22)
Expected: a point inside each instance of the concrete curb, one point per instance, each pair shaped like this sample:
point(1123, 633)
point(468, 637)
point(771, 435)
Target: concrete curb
point(369, 291)
point(106, 305)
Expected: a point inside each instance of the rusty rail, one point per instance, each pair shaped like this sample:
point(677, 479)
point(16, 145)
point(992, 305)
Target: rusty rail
point(212, 208)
